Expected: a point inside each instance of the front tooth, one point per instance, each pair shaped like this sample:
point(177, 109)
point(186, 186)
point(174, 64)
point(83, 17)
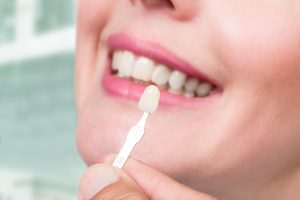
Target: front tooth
point(143, 69)
point(191, 84)
point(116, 60)
point(177, 80)
point(203, 89)
point(160, 75)
point(126, 63)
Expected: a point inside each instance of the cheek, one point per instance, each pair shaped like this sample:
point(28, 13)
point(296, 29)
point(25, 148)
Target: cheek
point(97, 130)
point(260, 44)
point(261, 51)
point(92, 15)
point(91, 18)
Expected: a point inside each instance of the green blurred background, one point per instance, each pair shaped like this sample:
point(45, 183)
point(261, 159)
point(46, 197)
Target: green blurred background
point(38, 157)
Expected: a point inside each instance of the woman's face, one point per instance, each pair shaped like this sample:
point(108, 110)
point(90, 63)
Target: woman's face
point(244, 132)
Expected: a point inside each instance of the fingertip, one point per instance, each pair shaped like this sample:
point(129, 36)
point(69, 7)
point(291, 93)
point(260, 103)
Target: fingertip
point(96, 178)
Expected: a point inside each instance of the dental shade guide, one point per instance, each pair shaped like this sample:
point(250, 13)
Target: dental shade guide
point(148, 103)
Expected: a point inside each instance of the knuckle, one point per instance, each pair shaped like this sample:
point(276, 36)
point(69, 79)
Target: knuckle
point(120, 194)
point(134, 195)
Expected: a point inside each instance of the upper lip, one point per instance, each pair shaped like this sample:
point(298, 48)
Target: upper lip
point(157, 53)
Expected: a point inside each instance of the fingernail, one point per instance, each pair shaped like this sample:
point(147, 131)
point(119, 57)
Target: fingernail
point(95, 179)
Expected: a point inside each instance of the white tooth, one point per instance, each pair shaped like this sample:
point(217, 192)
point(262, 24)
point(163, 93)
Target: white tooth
point(177, 80)
point(126, 63)
point(179, 92)
point(203, 89)
point(116, 60)
point(143, 69)
point(160, 75)
point(191, 84)
point(189, 94)
point(120, 75)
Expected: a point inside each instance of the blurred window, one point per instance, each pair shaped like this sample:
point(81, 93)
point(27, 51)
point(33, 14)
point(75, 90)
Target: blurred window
point(7, 20)
point(53, 14)
point(38, 156)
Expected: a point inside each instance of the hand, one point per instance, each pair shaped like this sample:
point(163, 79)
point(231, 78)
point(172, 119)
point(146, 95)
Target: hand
point(141, 182)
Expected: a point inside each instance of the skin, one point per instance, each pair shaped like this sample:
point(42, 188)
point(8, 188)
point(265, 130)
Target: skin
point(245, 143)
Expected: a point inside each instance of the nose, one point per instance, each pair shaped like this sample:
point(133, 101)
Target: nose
point(179, 9)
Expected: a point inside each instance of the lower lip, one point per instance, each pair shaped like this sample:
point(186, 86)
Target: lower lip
point(128, 90)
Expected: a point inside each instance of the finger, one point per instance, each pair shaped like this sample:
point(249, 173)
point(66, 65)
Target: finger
point(158, 186)
point(108, 183)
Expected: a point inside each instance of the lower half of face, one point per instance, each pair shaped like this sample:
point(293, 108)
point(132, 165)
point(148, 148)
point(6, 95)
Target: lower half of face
point(229, 77)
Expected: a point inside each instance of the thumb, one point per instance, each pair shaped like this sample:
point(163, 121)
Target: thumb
point(108, 183)
point(141, 182)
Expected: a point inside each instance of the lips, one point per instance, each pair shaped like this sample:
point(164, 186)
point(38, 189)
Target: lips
point(134, 64)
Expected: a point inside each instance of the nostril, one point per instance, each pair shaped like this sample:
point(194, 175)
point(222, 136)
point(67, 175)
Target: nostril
point(170, 3)
point(156, 3)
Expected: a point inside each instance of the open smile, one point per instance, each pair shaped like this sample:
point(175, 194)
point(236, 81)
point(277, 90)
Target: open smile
point(133, 65)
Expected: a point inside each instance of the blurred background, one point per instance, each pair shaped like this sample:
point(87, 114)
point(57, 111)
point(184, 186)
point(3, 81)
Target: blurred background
point(38, 157)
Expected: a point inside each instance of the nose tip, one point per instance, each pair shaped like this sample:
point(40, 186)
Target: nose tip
point(184, 9)
point(179, 9)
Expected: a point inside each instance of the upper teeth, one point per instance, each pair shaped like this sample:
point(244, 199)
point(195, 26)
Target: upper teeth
point(140, 68)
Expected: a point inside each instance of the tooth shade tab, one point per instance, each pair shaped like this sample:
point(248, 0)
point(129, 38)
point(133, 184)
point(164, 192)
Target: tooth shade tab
point(150, 99)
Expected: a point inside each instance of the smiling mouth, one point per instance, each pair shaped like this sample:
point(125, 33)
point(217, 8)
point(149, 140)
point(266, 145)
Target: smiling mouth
point(145, 71)
point(133, 64)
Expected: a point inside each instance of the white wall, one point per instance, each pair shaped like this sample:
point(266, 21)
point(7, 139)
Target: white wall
point(15, 185)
